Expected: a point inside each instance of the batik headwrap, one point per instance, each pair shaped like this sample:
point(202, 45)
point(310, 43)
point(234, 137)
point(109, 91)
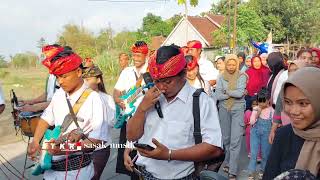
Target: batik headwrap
point(143, 49)
point(60, 61)
point(171, 67)
point(194, 44)
point(93, 71)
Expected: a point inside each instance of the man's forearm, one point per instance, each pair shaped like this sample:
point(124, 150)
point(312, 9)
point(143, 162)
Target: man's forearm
point(199, 152)
point(41, 128)
point(41, 106)
point(40, 99)
point(135, 125)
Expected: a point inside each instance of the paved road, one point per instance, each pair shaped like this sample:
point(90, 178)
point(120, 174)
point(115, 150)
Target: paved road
point(15, 153)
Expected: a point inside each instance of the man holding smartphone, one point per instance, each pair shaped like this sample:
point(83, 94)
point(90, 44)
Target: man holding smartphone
point(172, 136)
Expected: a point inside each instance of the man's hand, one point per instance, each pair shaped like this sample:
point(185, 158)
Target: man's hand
point(150, 99)
point(120, 102)
point(33, 149)
point(127, 160)
point(161, 152)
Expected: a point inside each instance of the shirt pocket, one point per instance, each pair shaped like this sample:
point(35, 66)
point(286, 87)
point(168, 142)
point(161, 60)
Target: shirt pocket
point(179, 135)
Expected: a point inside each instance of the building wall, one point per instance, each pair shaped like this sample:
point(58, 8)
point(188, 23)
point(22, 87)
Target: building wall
point(180, 38)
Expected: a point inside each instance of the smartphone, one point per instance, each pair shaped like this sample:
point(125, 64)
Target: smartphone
point(144, 146)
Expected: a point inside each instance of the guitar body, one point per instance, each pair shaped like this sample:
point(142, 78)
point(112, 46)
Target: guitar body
point(46, 158)
point(131, 99)
point(122, 115)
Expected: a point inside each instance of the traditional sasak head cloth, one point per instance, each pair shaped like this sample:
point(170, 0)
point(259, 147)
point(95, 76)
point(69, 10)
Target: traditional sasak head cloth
point(93, 71)
point(191, 62)
point(167, 61)
point(60, 60)
point(194, 44)
point(140, 47)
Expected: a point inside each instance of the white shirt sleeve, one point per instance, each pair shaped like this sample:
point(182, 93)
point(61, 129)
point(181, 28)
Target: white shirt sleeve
point(209, 123)
point(121, 83)
point(111, 111)
point(48, 114)
point(207, 70)
point(96, 119)
point(2, 101)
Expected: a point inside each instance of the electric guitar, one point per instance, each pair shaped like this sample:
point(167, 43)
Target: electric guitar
point(131, 100)
point(46, 158)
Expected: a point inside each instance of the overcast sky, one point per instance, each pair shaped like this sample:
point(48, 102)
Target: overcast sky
point(23, 23)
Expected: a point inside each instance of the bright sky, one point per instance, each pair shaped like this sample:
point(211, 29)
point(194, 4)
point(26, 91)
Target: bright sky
point(23, 23)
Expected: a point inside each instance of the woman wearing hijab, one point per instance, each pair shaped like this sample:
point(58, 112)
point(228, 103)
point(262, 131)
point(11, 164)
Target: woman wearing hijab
point(276, 66)
point(280, 118)
point(297, 145)
point(258, 76)
point(230, 93)
point(315, 59)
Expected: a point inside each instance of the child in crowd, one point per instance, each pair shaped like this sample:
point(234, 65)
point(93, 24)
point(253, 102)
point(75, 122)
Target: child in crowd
point(260, 121)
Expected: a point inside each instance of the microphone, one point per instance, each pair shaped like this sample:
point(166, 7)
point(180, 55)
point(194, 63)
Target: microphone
point(148, 80)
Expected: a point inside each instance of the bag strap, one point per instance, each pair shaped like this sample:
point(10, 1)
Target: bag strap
point(75, 109)
point(196, 116)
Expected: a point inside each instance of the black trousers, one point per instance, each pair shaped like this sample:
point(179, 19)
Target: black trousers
point(120, 168)
point(100, 159)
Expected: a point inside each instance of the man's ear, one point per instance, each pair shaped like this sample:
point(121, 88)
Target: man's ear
point(79, 72)
point(98, 80)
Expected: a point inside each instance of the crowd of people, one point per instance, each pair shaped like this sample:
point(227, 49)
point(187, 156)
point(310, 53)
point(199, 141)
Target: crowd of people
point(269, 98)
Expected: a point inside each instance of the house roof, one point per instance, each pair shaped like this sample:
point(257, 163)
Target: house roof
point(206, 25)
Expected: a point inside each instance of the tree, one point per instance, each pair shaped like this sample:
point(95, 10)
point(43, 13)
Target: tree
point(78, 38)
point(25, 60)
point(124, 40)
point(153, 25)
point(173, 21)
point(249, 25)
point(3, 62)
point(193, 3)
point(293, 20)
point(104, 40)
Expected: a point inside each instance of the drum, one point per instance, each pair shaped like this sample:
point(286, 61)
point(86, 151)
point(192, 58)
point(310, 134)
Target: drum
point(29, 122)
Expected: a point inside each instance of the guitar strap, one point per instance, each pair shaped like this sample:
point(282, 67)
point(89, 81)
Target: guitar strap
point(75, 109)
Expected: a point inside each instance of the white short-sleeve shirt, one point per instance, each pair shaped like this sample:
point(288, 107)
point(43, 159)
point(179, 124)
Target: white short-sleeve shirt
point(2, 101)
point(128, 77)
point(51, 86)
point(108, 117)
point(175, 131)
point(207, 70)
point(91, 113)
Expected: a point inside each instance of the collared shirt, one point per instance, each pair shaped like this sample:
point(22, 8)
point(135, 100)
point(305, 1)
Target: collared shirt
point(128, 77)
point(1, 96)
point(90, 114)
point(175, 131)
point(51, 86)
point(207, 71)
point(108, 117)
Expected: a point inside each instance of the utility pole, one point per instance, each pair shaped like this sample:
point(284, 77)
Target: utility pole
point(235, 27)
point(186, 16)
